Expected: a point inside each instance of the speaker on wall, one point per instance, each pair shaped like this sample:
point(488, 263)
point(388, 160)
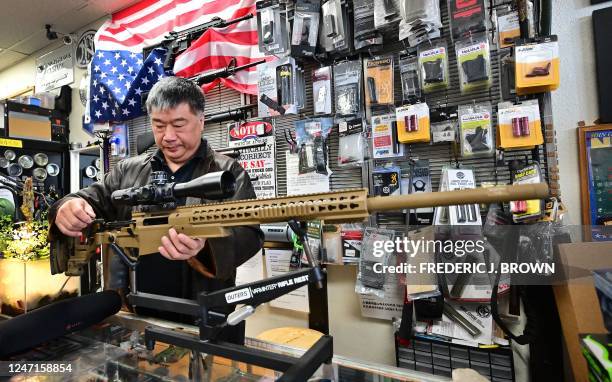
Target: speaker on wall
point(602, 30)
point(63, 102)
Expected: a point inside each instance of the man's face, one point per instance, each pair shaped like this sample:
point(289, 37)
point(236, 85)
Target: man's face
point(177, 132)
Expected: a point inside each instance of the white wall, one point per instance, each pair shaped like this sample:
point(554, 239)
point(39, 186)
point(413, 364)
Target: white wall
point(576, 98)
point(22, 75)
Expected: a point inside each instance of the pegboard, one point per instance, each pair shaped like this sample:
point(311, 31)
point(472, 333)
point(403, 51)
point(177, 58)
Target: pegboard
point(438, 155)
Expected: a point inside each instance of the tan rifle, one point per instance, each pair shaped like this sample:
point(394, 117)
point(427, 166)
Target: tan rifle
point(144, 231)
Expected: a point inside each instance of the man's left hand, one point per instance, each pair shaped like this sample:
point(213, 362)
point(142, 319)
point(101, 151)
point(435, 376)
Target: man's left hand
point(178, 246)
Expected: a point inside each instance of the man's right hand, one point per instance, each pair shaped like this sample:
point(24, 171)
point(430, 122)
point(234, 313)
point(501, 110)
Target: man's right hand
point(74, 216)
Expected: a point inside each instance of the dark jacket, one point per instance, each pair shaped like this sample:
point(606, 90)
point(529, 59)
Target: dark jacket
point(220, 255)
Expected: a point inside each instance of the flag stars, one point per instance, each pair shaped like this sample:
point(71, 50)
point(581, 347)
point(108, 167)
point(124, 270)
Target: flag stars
point(160, 76)
point(98, 114)
point(95, 98)
point(110, 82)
point(145, 80)
point(130, 69)
point(121, 77)
point(102, 90)
point(114, 112)
point(95, 83)
point(126, 112)
point(132, 55)
point(151, 70)
point(114, 70)
point(97, 68)
point(132, 102)
point(103, 75)
point(117, 55)
point(138, 91)
point(107, 62)
point(105, 105)
point(139, 61)
point(127, 85)
point(100, 55)
point(117, 91)
point(123, 63)
point(158, 61)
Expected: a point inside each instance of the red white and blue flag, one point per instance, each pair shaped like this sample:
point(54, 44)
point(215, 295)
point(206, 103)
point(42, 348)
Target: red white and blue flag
point(119, 73)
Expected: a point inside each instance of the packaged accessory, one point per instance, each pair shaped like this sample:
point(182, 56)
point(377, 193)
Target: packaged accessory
point(444, 124)
point(352, 239)
point(351, 145)
point(508, 28)
point(467, 17)
point(386, 13)
point(336, 26)
point(474, 62)
point(420, 181)
point(420, 21)
point(409, 74)
point(311, 137)
point(379, 82)
point(537, 65)
point(305, 31)
point(476, 133)
point(386, 180)
point(519, 125)
point(507, 75)
point(321, 90)
point(272, 27)
point(384, 137)
point(347, 83)
point(461, 179)
point(433, 65)
point(365, 34)
point(523, 210)
point(276, 87)
point(413, 123)
point(368, 280)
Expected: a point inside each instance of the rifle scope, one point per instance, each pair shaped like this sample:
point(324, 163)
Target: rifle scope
point(214, 185)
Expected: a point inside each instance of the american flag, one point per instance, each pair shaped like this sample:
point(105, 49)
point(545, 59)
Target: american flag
point(116, 86)
point(146, 23)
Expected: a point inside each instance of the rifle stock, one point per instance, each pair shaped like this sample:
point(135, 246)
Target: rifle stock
point(145, 230)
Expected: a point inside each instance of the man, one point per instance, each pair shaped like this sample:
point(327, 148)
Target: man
point(176, 110)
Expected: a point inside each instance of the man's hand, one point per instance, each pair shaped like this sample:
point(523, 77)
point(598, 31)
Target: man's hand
point(178, 246)
point(74, 216)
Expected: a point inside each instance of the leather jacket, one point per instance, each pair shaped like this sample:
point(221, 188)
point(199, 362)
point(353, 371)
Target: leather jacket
point(221, 255)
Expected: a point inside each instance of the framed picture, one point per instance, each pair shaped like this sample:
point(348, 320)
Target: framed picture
point(595, 145)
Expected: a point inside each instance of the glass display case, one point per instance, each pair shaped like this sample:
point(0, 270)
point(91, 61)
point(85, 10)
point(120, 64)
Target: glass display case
point(115, 351)
point(26, 285)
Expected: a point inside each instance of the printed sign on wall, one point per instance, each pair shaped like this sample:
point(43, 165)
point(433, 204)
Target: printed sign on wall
point(259, 162)
point(54, 69)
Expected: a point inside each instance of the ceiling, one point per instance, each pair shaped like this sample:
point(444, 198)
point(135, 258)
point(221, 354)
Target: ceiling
point(22, 23)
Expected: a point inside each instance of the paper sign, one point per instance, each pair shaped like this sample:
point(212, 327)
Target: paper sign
point(277, 263)
point(304, 183)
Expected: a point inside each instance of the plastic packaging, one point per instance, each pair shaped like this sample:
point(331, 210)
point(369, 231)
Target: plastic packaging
point(365, 34)
point(347, 84)
point(305, 31)
point(409, 74)
point(369, 281)
point(386, 13)
point(420, 21)
point(444, 124)
point(277, 85)
point(467, 17)
point(272, 27)
point(508, 28)
point(433, 66)
point(507, 74)
point(352, 240)
point(384, 137)
point(386, 180)
point(379, 82)
point(537, 65)
point(519, 125)
point(321, 90)
point(333, 23)
point(474, 62)
point(525, 210)
point(413, 123)
point(476, 133)
point(311, 136)
point(351, 145)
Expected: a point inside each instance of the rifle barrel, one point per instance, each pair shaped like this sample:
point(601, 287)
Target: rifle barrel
point(457, 197)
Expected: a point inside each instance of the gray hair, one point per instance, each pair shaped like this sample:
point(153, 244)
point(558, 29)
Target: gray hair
point(169, 92)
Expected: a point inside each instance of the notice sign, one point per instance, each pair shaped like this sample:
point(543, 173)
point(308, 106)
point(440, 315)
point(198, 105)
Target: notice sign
point(54, 69)
point(259, 162)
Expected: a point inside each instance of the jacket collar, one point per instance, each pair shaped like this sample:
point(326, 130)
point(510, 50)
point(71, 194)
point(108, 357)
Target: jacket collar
point(204, 152)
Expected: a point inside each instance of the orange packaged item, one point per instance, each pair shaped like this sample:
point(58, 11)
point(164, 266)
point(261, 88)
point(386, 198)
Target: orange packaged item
point(519, 125)
point(413, 123)
point(537, 65)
